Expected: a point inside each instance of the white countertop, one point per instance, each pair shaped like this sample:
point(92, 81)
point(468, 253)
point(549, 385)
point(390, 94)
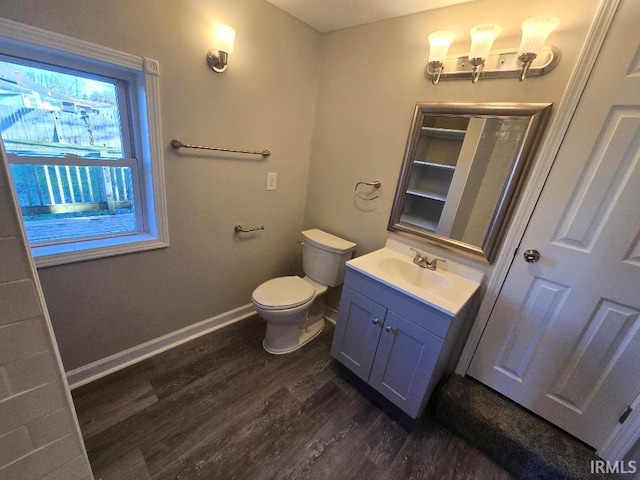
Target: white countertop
point(440, 289)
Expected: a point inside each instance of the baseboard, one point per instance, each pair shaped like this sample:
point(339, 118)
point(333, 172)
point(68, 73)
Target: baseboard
point(330, 314)
point(103, 367)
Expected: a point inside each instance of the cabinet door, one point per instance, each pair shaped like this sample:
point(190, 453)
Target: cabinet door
point(406, 357)
point(357, 332)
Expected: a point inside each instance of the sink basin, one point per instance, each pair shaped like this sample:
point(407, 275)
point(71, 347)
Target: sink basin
point(441, 289)
point(413, 274)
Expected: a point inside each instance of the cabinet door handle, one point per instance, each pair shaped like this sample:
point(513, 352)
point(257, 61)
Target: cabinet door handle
point(391, 330)
point(376, 321)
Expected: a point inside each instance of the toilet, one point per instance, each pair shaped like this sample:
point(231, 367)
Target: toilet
point(293, 307)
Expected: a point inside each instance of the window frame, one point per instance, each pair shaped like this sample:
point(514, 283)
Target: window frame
point(141, 75)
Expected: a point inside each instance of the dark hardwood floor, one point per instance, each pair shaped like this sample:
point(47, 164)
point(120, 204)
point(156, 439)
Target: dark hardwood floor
point(220, 407)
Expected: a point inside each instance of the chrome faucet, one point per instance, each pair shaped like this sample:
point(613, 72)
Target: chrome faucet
point(424, 262)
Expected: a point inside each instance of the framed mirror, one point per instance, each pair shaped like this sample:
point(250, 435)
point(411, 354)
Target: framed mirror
point(463, 168)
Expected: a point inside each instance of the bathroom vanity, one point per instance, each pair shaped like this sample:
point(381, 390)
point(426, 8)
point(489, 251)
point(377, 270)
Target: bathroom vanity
point(399, 324)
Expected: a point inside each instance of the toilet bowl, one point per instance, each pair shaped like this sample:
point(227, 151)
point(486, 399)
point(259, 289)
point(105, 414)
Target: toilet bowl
point(293, 307)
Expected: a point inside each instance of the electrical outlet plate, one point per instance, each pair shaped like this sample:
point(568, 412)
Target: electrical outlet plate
point(272, 180)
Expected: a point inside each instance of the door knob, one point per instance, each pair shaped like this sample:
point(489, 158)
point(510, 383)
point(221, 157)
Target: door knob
point(531, 255)
point(375, 321)
point(391, 330)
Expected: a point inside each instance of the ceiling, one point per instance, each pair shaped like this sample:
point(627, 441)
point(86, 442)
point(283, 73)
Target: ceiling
point(328, 15)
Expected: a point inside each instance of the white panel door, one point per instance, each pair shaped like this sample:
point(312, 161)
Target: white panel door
point(564, 337)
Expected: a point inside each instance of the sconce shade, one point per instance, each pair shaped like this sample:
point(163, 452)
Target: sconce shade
point(482, 38)
point(439, 43)
point(223, 38)
point(535, 32)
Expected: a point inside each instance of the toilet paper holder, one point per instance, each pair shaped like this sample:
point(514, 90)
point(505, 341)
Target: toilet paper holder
point(241, 229)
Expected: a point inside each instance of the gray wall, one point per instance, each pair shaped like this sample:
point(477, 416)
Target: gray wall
point(372, 76)
point(266, 99)
point(39, 434)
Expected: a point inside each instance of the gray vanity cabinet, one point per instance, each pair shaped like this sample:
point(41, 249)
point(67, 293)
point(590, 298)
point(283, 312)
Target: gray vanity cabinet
point(394, 342)
point(404, 362)
point(360, 324)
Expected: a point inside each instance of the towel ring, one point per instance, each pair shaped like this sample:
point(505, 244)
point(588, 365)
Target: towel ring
point(375, 184)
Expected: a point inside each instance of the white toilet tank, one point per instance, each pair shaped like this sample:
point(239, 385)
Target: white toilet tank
point(324, 256)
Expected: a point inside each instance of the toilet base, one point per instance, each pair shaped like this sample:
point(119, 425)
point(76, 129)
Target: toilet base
point(305, 335)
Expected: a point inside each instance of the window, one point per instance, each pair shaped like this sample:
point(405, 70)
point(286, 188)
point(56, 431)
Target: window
point(72, 167)
point(80, 127)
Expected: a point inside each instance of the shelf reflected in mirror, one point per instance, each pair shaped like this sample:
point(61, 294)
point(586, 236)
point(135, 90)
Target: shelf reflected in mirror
point(464, 165)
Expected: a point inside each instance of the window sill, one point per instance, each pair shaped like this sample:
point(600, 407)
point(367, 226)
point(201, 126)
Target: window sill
point(52, 255)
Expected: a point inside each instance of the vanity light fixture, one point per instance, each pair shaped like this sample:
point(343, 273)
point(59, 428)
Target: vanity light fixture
point(532, 58)
point(482, 38)
point(535, 32)
point(223, 40)
point(439, 43)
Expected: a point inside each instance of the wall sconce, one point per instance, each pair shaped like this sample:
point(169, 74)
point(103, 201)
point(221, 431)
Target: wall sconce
point(223, 40)
point(482, 38)
point(439, 43)
point(535, 32)
point(532, 58)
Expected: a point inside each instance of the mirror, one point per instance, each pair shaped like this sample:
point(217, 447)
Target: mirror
point(464, 166)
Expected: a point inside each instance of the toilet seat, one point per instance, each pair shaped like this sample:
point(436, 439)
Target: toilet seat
point(283, 293)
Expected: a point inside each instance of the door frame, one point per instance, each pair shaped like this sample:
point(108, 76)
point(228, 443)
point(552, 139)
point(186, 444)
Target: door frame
point(623, 437)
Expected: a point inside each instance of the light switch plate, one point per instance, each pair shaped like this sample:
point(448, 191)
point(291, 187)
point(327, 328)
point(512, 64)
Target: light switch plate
point(272, 180)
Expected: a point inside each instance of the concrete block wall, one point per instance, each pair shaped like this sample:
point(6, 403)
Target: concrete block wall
point(39, 434)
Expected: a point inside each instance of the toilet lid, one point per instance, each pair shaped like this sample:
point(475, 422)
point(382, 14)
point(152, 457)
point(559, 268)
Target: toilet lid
point(283, 292)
